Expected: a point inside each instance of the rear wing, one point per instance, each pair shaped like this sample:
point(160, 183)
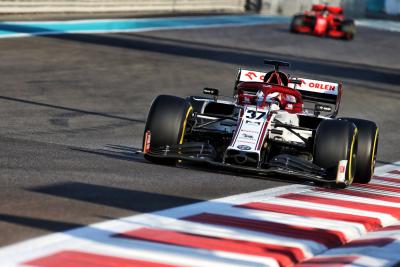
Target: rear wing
point(319, 91)
point(250, 76)
point(311, 90)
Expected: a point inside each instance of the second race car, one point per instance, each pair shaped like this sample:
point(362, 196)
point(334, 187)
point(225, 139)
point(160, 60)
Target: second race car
point(324, 20)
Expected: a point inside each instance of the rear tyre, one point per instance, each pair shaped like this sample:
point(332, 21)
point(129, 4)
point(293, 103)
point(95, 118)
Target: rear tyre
point(166, 122)
point(368, 135)
point(349, 29)
point(336, 140)
point(297, 22)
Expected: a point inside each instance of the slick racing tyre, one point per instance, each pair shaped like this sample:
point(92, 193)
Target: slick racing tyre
point(165, 125)
point(336, 140)
point(297, 22)
point(349, 29)
point(368, 135)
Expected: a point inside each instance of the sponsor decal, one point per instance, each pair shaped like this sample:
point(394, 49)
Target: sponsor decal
point(249, 131)
point(341, 172)
point(248, 76)
point(342, 169)
point(247, 136)
point(252, 122)
point(243, 147)
point(322, 86)
point(251, 75)
point(147, 138)
point(317, 85)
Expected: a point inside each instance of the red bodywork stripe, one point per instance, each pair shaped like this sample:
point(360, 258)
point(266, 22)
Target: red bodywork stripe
point(369, 223)
point(395, 212)
point(69, 258)
point(387, 179)
point(266, 123)
point(284, 255)
point(379, 187)
point(329, 238)
point(331, 261)
point(361, 194)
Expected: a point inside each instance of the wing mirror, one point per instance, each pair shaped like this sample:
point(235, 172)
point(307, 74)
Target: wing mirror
point(319, 108)
point(324, 108)
point(211, 91)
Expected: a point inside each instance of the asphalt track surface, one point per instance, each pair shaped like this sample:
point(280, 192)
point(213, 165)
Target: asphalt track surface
point(73, 109)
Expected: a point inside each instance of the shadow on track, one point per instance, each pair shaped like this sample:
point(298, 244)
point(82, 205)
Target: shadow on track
point(44, 224)
point(116, 152)
point(87, 112)
point(132, 200)
point(134, 154)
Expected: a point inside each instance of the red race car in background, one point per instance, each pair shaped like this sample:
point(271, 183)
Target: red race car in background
point(324, 20)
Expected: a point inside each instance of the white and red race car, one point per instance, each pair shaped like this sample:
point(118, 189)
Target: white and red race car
point(271, 125)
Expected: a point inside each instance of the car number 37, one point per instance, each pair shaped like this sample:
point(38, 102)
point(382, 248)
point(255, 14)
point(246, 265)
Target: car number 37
point(255, 114)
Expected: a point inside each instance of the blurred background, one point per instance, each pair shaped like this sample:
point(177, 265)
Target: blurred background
point(353, 8)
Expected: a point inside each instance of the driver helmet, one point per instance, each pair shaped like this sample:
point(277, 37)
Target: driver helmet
point(274, 101)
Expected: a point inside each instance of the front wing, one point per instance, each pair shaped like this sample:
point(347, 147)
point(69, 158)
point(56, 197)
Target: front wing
point(286, 165)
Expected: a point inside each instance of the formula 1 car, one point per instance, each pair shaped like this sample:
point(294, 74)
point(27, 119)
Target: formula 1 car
point(271, 125)
point(324, 20)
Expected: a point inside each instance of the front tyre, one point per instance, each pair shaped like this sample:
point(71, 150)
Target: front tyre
point(349, 29)
point(336, 140)
point(165, 125)
point(297, 22)
point(368, 136)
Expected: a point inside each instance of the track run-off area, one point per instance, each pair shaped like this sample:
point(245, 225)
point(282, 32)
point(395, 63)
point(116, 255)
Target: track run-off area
point(291, 225)
point(76, 192)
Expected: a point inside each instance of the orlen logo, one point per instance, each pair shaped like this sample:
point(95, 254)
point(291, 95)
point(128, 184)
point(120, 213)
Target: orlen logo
point(317, 85)
point(252, 75)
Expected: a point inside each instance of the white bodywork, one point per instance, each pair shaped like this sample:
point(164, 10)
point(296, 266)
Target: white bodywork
point(288, 136)
point(258, 125)
point(251, 131)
